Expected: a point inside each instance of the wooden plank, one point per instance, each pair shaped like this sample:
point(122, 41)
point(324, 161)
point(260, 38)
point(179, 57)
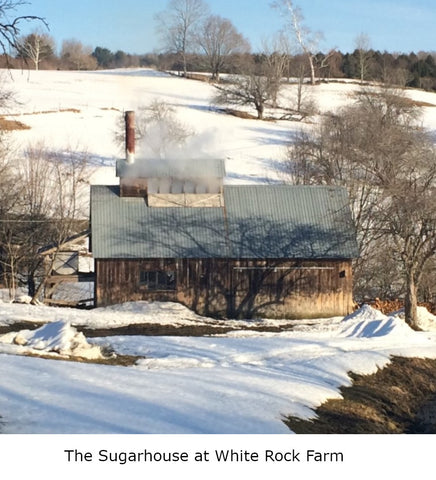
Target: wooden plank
point(77, 278)
point(59, 303)
point(66, 303)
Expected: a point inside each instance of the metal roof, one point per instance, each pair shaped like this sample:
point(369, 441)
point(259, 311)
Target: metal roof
point(171, 168)
point(299, 222)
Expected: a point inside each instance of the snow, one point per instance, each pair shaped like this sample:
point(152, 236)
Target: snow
point(164, 313)
point(368, 322)
point(58, 337)
point(244, 381)
point(426, 321)
point(81, 111)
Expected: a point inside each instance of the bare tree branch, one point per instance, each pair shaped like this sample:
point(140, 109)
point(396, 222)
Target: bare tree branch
point(10, 30)
point(307, 40)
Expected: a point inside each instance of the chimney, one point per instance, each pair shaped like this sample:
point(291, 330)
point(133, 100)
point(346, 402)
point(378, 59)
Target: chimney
point(130, 136)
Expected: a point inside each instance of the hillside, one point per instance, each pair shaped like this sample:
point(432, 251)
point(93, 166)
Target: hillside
point(81, 111)
point(246, 379)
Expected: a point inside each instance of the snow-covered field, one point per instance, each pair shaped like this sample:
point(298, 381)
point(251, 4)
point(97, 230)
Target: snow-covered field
point(81, 111)
point(241, 382)
point(244, 382)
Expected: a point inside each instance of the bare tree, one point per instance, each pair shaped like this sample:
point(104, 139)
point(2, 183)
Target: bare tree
point(54, 187)
point(256, 87)
point(218, 39)
point(364, 54)
point(325, 155)
point(302, 101)
point(276, 64)
point(10, 204)
point(23, 223)
point(178, 25)
point(36, 46)
point(377, 150)
point(78, 56)
point(250, 90)
point(427, 284)
point(158, 130)
point(306, 40)
point(43, 208)
point(409, 216)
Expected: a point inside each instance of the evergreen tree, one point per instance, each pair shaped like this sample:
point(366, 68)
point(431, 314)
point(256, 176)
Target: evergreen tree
point(103, 56)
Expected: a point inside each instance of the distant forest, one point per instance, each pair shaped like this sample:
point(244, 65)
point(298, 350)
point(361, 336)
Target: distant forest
point(416, 70)
point(406, 70)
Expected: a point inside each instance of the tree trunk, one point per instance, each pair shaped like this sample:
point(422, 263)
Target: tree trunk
point(312, 69)
point(300, 92)
point(215, 75)
point(12, 284)
point(185, 66)
point(47, 272)
point(411, 302)
point(260, 109)
point(31, 287)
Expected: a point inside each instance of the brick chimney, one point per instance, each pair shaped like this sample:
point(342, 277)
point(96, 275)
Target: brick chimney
point(130, 136)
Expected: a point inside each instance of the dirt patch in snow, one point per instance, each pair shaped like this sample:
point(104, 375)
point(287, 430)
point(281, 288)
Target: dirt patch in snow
point(115, 360)
point(45, 112)
point(17, 326)
point(396, 399)
point(10, 125)
point(156, 329)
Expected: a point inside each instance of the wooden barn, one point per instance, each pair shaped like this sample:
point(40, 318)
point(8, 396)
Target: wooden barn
point(172, 231)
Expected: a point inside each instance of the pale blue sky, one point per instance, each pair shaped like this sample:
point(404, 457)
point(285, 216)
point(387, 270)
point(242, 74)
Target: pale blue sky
point(392, 25)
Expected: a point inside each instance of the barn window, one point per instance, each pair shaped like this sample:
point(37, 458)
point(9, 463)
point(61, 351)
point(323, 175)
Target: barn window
point(158, 280)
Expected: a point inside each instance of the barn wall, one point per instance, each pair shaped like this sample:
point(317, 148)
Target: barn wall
point(235, 288)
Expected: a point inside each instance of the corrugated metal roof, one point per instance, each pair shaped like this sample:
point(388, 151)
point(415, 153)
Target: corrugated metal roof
point(296, 221)
point(310, 222)
point(172, 168)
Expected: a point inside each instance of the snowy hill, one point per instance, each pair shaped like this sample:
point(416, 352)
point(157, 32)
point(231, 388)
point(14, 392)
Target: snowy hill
point(241, 382)
point(80, 110)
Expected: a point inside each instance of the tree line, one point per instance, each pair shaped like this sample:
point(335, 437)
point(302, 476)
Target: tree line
point(416, 70)
point(38, 51)
point(193, 39)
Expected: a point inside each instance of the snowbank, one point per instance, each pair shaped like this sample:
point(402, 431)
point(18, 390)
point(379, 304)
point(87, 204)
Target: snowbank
point(367, 322)
point(212, 384)
point(426, 320)
point(57, 337)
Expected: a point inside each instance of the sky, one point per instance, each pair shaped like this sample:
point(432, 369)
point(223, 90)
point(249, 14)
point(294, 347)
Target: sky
point(129, 25)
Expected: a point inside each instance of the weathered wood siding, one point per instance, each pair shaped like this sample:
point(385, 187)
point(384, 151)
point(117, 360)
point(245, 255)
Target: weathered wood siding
point(235, 288)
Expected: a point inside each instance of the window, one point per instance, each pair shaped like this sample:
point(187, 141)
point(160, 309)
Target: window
point(158, 280)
